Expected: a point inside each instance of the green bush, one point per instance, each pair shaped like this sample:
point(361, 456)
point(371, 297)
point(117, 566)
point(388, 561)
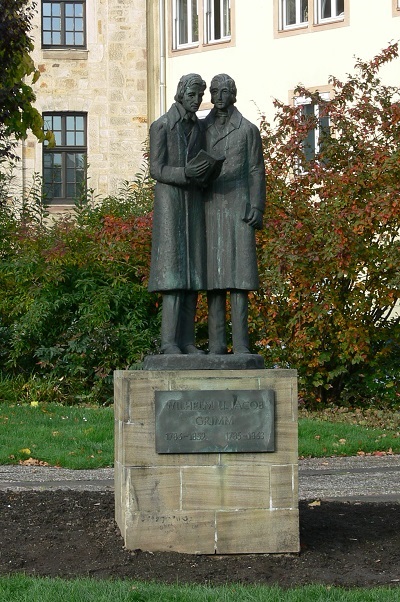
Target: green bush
point(75, 304)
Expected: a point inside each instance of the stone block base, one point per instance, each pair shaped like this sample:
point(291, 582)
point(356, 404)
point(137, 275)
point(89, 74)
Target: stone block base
point(204, 503)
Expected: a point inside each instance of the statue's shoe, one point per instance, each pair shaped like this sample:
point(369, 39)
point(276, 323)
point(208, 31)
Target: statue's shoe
point(218, 351)
point(171, 350)
point(191, 349)
point(242, 349)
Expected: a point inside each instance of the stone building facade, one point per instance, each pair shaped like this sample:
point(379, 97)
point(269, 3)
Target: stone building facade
point(93, 93)
point(110, 67)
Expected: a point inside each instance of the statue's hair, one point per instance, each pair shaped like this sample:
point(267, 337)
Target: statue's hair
point(186, 81)
point(223, 78)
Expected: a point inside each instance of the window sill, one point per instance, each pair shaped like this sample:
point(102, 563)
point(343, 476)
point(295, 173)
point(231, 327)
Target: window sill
point(73, 54)
point(218, 42)
point(332, 21)
point(294, 28)
point(312, 28)
point(226, 43)
point(186, 47)
point(56, 207)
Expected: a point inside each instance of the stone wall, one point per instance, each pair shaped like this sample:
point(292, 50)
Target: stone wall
point(108, 80)
point(225, 503)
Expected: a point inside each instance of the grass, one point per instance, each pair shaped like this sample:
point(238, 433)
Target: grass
point(318, 439)
point(71, 437)
point(335, 431)
point(20, 588)
point(82, 436)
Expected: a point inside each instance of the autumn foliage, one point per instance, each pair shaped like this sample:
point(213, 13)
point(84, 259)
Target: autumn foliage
point(75, 306)
point(329, 253)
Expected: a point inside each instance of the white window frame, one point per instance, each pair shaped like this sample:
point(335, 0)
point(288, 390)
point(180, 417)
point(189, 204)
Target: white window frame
point(282, 16)
point(210, 19)
point(336, 16)
point(306, 100)
point(177, 44)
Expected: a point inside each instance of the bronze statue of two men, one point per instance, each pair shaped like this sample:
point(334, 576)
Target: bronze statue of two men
point(209, 199)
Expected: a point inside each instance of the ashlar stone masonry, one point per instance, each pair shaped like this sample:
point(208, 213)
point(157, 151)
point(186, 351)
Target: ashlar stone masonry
point(205, 503)
point(108, 81)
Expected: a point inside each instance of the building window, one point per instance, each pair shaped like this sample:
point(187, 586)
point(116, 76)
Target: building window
point(312, 143)
point(63, 24)
point(186, 23)
point(328, 10)
point(197, 23)
point(64, 166)
point(301, 16)
point(217, 20)
point(294, 13)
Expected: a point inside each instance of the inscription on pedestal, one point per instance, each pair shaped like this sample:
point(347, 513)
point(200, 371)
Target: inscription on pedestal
point(214, 421)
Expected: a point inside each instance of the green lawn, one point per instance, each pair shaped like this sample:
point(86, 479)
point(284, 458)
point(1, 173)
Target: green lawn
point(319, 438)
point(19, 588)
point(82, 437)
point(67, 436)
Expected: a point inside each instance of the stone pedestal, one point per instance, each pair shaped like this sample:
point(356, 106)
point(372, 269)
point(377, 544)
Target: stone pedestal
point(204, 503)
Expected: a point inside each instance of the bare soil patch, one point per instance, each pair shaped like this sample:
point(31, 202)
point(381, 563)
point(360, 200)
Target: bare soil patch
point(70, 533)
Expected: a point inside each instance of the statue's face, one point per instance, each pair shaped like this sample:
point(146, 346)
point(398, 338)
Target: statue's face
point(192, 98)
point(221, 96)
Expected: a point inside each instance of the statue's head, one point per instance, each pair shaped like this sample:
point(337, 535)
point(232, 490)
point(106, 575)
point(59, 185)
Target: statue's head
point(190, 91)
point(223, 91)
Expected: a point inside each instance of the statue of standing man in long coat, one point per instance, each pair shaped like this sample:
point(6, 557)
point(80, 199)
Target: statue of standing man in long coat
point(178, 257)
point(234, 205)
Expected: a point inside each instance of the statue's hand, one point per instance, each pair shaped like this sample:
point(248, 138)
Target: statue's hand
point(196, 171)
point(255, 218)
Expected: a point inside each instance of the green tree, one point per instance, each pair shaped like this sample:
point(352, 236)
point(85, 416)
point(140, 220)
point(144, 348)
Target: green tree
point(17, 74)
point(329, 253)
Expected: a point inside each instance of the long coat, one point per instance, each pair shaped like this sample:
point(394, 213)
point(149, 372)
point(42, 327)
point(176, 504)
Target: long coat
point(178, 256)
point(231, 245)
